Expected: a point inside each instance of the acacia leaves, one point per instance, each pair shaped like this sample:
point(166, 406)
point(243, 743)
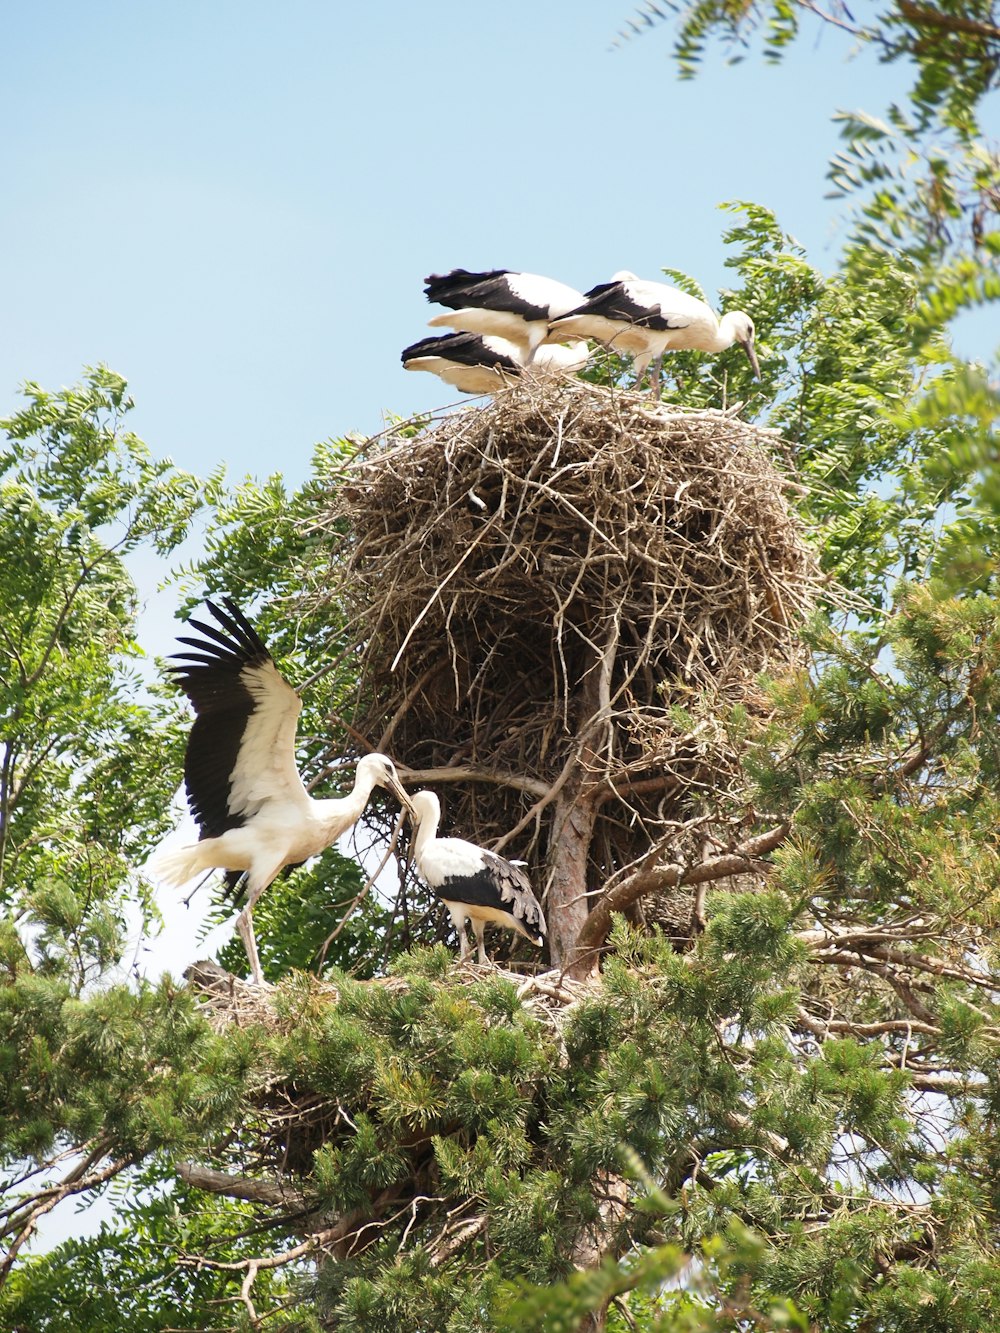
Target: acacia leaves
point(83, 789)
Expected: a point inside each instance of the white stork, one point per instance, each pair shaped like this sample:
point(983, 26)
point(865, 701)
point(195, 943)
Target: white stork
point(648, 319)
point(474, 363)
point(474, 884)
point(254, 815)
point(483, 363)
point(516, 306)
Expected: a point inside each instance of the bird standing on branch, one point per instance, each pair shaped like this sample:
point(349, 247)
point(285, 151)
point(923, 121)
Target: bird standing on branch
point(516, 306)
point(254, 814)
point(474, 884)
point(648, 319)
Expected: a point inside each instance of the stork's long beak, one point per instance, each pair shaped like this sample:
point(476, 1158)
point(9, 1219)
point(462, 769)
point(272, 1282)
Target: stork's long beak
point(749, 349)
point(399, 791)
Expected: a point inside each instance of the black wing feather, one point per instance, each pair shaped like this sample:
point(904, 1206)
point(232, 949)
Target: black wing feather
point(611, 299)
point(488, 291)
point(212, 680)
point(465, 349)
point(501, 886)
point(518, 895)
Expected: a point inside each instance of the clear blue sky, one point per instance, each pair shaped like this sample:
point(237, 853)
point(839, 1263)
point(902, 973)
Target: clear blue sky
point(235, 204)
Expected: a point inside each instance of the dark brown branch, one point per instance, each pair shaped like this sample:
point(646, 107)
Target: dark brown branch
point(738, 862)
point(79, 1180)
point(474, 773)
point(408, 698)
point(872, 944)
point(922, 17)
point(822, 1028)
point(272, 1192)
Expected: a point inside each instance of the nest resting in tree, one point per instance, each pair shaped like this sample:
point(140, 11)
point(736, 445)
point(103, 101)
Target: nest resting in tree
point(568, 578)
point(292, 1119)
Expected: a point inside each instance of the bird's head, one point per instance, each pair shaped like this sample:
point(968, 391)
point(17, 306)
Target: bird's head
point(534, 934)
point(740, 325)
point(382, 773)
point(425, 808)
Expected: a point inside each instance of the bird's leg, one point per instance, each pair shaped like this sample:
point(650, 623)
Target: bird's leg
point(654, 376)
point(639, 365)
point(480, 928)
point(244, 924)
point(458, 921)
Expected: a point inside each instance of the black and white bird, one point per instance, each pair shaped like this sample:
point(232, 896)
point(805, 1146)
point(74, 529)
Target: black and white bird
point(474, 884)
point(647, 319)
point(254, 815)
point(516, 306)
point(483, 363)
point(472, 362)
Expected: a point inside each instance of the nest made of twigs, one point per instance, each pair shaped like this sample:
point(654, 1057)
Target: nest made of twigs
point(566, 563)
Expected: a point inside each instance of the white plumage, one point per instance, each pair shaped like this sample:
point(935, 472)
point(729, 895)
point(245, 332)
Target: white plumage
point(515, 306)
point(474, 884)
point(484, 363)
point(564, 358)
point(647, 319)
point(254, 815)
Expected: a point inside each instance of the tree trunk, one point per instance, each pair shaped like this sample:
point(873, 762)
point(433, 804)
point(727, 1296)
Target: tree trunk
point(575, 813)
point(597, 1241)
point(566, 903)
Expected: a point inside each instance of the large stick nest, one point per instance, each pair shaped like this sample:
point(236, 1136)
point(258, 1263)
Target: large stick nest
point(567, 574)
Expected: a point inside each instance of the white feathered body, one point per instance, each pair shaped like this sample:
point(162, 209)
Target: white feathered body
point(646, 319)
point(516, 306)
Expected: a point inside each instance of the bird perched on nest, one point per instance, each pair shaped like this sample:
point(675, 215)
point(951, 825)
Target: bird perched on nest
point(474, 884)
point(482, 363)
point(254, 815)
point(472, 362)
point(648, 319)
point(516, 306)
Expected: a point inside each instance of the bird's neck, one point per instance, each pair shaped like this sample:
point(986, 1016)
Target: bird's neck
point(425, 834)
point(725, 335)
point(332, 813)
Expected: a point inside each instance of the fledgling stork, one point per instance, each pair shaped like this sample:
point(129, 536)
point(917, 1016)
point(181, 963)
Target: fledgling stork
point(516, 306)
point(254, 815)
point(474, 884)
point(648, 319)
point(483, 363)
point(472, 362)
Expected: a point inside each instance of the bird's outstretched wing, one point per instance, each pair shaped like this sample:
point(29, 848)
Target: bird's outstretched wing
point(516, 894)
point(241, 751)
